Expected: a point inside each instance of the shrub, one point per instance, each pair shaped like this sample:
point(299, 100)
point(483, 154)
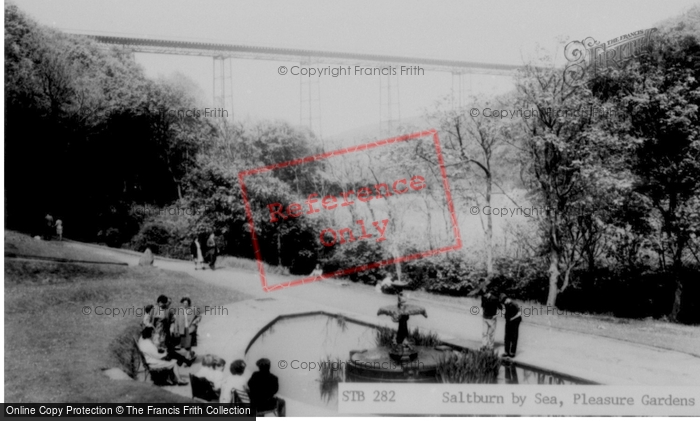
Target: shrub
point(357, 254)
point(631, 293)
point(480, 366)
point(124, 351)
point(153, 235)
point(331, 373)
point(385, 337)
point(112, 237)
point(166, 234)
point(524, 278)
point(446, 274)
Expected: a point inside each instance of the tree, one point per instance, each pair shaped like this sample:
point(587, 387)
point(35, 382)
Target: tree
point(178, 129)
point(213, 185)
point(564, 152)
point(85, 137)
point(660, 95)
point(474, 144)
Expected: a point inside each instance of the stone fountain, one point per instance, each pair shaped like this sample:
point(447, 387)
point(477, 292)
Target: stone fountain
point(403, 361)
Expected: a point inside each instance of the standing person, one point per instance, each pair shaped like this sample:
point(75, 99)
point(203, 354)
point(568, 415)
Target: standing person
point(212, 251)
point(48, 227)
point(263, 386)
point(196, 252)
point(186, 321)
point(193, 252)
point(59, 229)
point(513, 318)
point(160, 318)
point(489, 308)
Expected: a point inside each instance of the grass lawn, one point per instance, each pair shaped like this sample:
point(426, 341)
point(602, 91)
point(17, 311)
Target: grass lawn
point(22, 244)
point(54, 353)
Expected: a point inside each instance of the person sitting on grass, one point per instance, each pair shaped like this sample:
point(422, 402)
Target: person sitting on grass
point(263, 386)
point(318, 271)
point(158, 360)
point(213, 370)
point(236, 382)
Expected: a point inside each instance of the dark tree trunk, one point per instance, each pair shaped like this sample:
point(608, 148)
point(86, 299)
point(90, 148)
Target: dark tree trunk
point(677, 298)
point(553, 277)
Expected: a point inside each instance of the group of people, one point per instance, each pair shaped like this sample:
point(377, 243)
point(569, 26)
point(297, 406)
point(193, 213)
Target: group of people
point(206, 255)
point(167, 331)
point(490, 305)
point(50, 227)
point(261, 387)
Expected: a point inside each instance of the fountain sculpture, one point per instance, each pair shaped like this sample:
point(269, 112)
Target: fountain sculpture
point(403, 361)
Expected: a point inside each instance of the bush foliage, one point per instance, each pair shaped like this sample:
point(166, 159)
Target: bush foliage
point(480, 366)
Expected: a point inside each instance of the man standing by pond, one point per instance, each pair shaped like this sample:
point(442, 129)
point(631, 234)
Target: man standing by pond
point(513, 318)
point(489, 308)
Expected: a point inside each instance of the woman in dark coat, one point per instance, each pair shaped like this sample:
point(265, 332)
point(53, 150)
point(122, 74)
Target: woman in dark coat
point(212, 251)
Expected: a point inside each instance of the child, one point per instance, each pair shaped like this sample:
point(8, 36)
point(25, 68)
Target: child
point(59, 229)
point(513, 319)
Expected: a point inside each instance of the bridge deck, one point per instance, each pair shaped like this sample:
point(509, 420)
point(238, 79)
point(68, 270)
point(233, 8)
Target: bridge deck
point(163, 46)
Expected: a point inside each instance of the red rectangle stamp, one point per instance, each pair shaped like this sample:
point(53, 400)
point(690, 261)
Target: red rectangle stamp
point(383, 203)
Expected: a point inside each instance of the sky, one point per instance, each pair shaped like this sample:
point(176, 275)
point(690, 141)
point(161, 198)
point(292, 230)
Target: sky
point(494, 31)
